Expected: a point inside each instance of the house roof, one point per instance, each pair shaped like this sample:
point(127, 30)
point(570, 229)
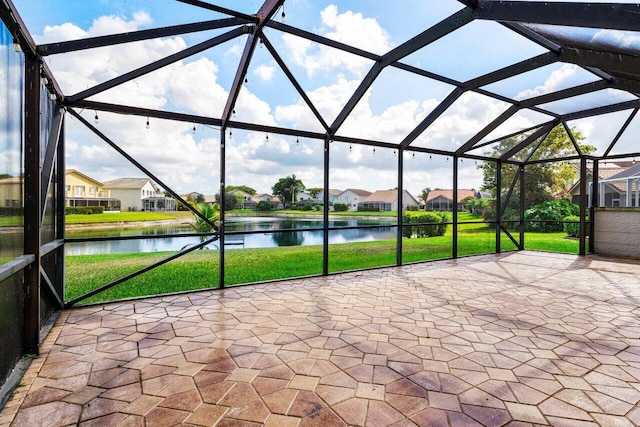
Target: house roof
point(238, 191)
point(209, 198)
point(632, 171)
point(127, 183)
point(83, 176)
point(608, 170)
point(357, 191)
point(388, 196)
point(448, 194)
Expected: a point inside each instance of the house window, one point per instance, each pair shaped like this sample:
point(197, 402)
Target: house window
point(93, 189)
point(78, 190)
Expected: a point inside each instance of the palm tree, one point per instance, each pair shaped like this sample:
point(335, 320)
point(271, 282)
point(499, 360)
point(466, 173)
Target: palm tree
point(287, 188)
point(208, 211)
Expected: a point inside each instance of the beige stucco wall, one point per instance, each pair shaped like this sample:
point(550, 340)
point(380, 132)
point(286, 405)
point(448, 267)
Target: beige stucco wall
point(73, 180)
point(10, 192)
point(617, 231)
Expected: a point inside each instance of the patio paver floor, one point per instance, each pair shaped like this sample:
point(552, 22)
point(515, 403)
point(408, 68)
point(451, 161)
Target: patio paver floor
point(518, 339)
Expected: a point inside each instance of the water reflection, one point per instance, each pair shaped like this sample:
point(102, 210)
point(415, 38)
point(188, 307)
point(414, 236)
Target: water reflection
point(270, 237)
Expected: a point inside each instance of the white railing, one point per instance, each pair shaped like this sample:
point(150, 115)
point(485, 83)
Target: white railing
point(625, 192)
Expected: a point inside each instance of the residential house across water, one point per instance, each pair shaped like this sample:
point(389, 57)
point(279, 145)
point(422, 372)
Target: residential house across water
point(82, 190)
point(139, 194)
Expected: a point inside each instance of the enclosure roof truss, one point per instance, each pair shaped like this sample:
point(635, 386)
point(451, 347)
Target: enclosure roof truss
point(611, 67)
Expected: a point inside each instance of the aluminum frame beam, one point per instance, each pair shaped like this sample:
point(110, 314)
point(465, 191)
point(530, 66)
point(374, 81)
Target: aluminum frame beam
point(513, 70)
point(215, 41)
point(528, 141)
point(432, 117)
point(437, 31)
point(488, 129)
point(139, 166)
point(134, 36)
point(49, 160)
point(621, 132)
point(219, 9)
point(266, 11)
point(565, 93)
point(608, 61)
point(294, 81)
point(612, 16)
point(612, 108)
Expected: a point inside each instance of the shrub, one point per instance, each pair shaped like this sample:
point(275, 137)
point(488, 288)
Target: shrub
point(11, 211)
point(368, 209)
point(340, 207)
point(572, 228)
point(442, 227)
point(264, 206)
point(412, 208)
point(83, 210)
point(425, 224)
point(548, 216)
point(307, 206)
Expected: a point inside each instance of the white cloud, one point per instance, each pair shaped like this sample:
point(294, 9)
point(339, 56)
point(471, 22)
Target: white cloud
point(556, 81)
point(264, 72)
point(627, 39)
point(468, 115)
point(356, 30)
point(191, 162)
point(328, 100)
point(348, 27)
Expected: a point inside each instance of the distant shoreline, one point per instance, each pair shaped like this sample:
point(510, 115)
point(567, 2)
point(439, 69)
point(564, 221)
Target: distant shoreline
point(186, 222)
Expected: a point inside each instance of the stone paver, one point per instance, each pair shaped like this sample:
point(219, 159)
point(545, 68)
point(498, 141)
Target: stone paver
point(514, 339)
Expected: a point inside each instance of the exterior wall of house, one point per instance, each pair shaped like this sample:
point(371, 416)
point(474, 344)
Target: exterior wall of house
point(131, 198)
point(616, 232)
point(77, 186)
point(439, 204)
point(304, 197)
point(351, 199)
point(10, 192)
point(407, 200)
point(333, 198)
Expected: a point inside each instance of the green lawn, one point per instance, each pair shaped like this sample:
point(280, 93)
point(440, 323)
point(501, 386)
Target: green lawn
point(199, 269)
point(392, 214)
point(11, 221)
point(111, 217)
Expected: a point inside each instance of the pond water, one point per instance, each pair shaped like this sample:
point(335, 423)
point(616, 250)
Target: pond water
point(264, 235)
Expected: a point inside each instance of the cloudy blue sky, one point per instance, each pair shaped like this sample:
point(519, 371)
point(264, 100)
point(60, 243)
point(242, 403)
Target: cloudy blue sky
point(394, 105)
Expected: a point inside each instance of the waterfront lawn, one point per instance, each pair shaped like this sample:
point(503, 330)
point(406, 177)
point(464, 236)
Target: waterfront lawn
point(111, 217)
point(199, 269)
point(11, 221)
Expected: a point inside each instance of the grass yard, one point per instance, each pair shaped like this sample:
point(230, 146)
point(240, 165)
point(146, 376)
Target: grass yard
point(199, 269)
point(111, 217)
point(11, 221)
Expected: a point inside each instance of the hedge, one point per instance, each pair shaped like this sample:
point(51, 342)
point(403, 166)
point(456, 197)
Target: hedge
point(340, 207)
point(548, 217)
point(264, 205)
point(83, 210)
point(11, 211)
point(427, 224)
point(368, 209)
point(572, 228)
